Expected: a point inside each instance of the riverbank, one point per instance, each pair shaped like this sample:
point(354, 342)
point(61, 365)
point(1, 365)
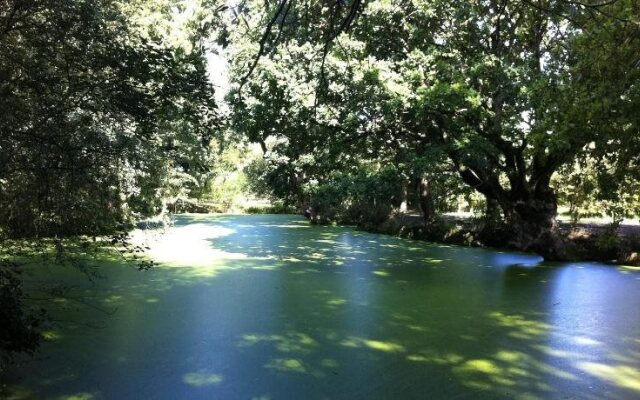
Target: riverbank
point(587, 241)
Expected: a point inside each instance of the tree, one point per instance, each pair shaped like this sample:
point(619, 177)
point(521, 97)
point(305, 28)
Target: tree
point(509, 91)
point(97, 116)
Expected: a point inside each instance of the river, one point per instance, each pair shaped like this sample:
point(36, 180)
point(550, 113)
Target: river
point(269, 307)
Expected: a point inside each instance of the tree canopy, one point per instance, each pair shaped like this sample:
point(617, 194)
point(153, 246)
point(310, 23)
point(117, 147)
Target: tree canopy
point(97, 114)
point(503, 94)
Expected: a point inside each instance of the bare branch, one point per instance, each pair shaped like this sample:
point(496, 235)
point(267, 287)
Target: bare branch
point(263, 43)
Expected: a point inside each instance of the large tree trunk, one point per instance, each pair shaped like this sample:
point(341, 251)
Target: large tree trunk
point(532, 221)
point(426, 199)
point(530, 207)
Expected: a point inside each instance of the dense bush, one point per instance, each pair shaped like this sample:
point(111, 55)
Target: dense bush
point(96, 117)
point(363, 198)
point(276, 207)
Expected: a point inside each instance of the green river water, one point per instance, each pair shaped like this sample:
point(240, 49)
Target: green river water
point(269, 307)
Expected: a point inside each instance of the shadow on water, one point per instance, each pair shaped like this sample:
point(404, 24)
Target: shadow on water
point(269, 307)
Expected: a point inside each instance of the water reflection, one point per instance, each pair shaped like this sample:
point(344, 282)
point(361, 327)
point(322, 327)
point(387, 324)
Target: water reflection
point(270, 307)
point(592, 316)
point(502, 260)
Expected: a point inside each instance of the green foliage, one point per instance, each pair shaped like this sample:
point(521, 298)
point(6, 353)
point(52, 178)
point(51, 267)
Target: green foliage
point(227, 185)
point(366, 197)
point(276, 207)
point(98, 116)
point(588, 189)
point(608, 242)
point(577, 187)
point(277, 178)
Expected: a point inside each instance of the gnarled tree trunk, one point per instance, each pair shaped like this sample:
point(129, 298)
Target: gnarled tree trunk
point(530, 208)
point(532, 220)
